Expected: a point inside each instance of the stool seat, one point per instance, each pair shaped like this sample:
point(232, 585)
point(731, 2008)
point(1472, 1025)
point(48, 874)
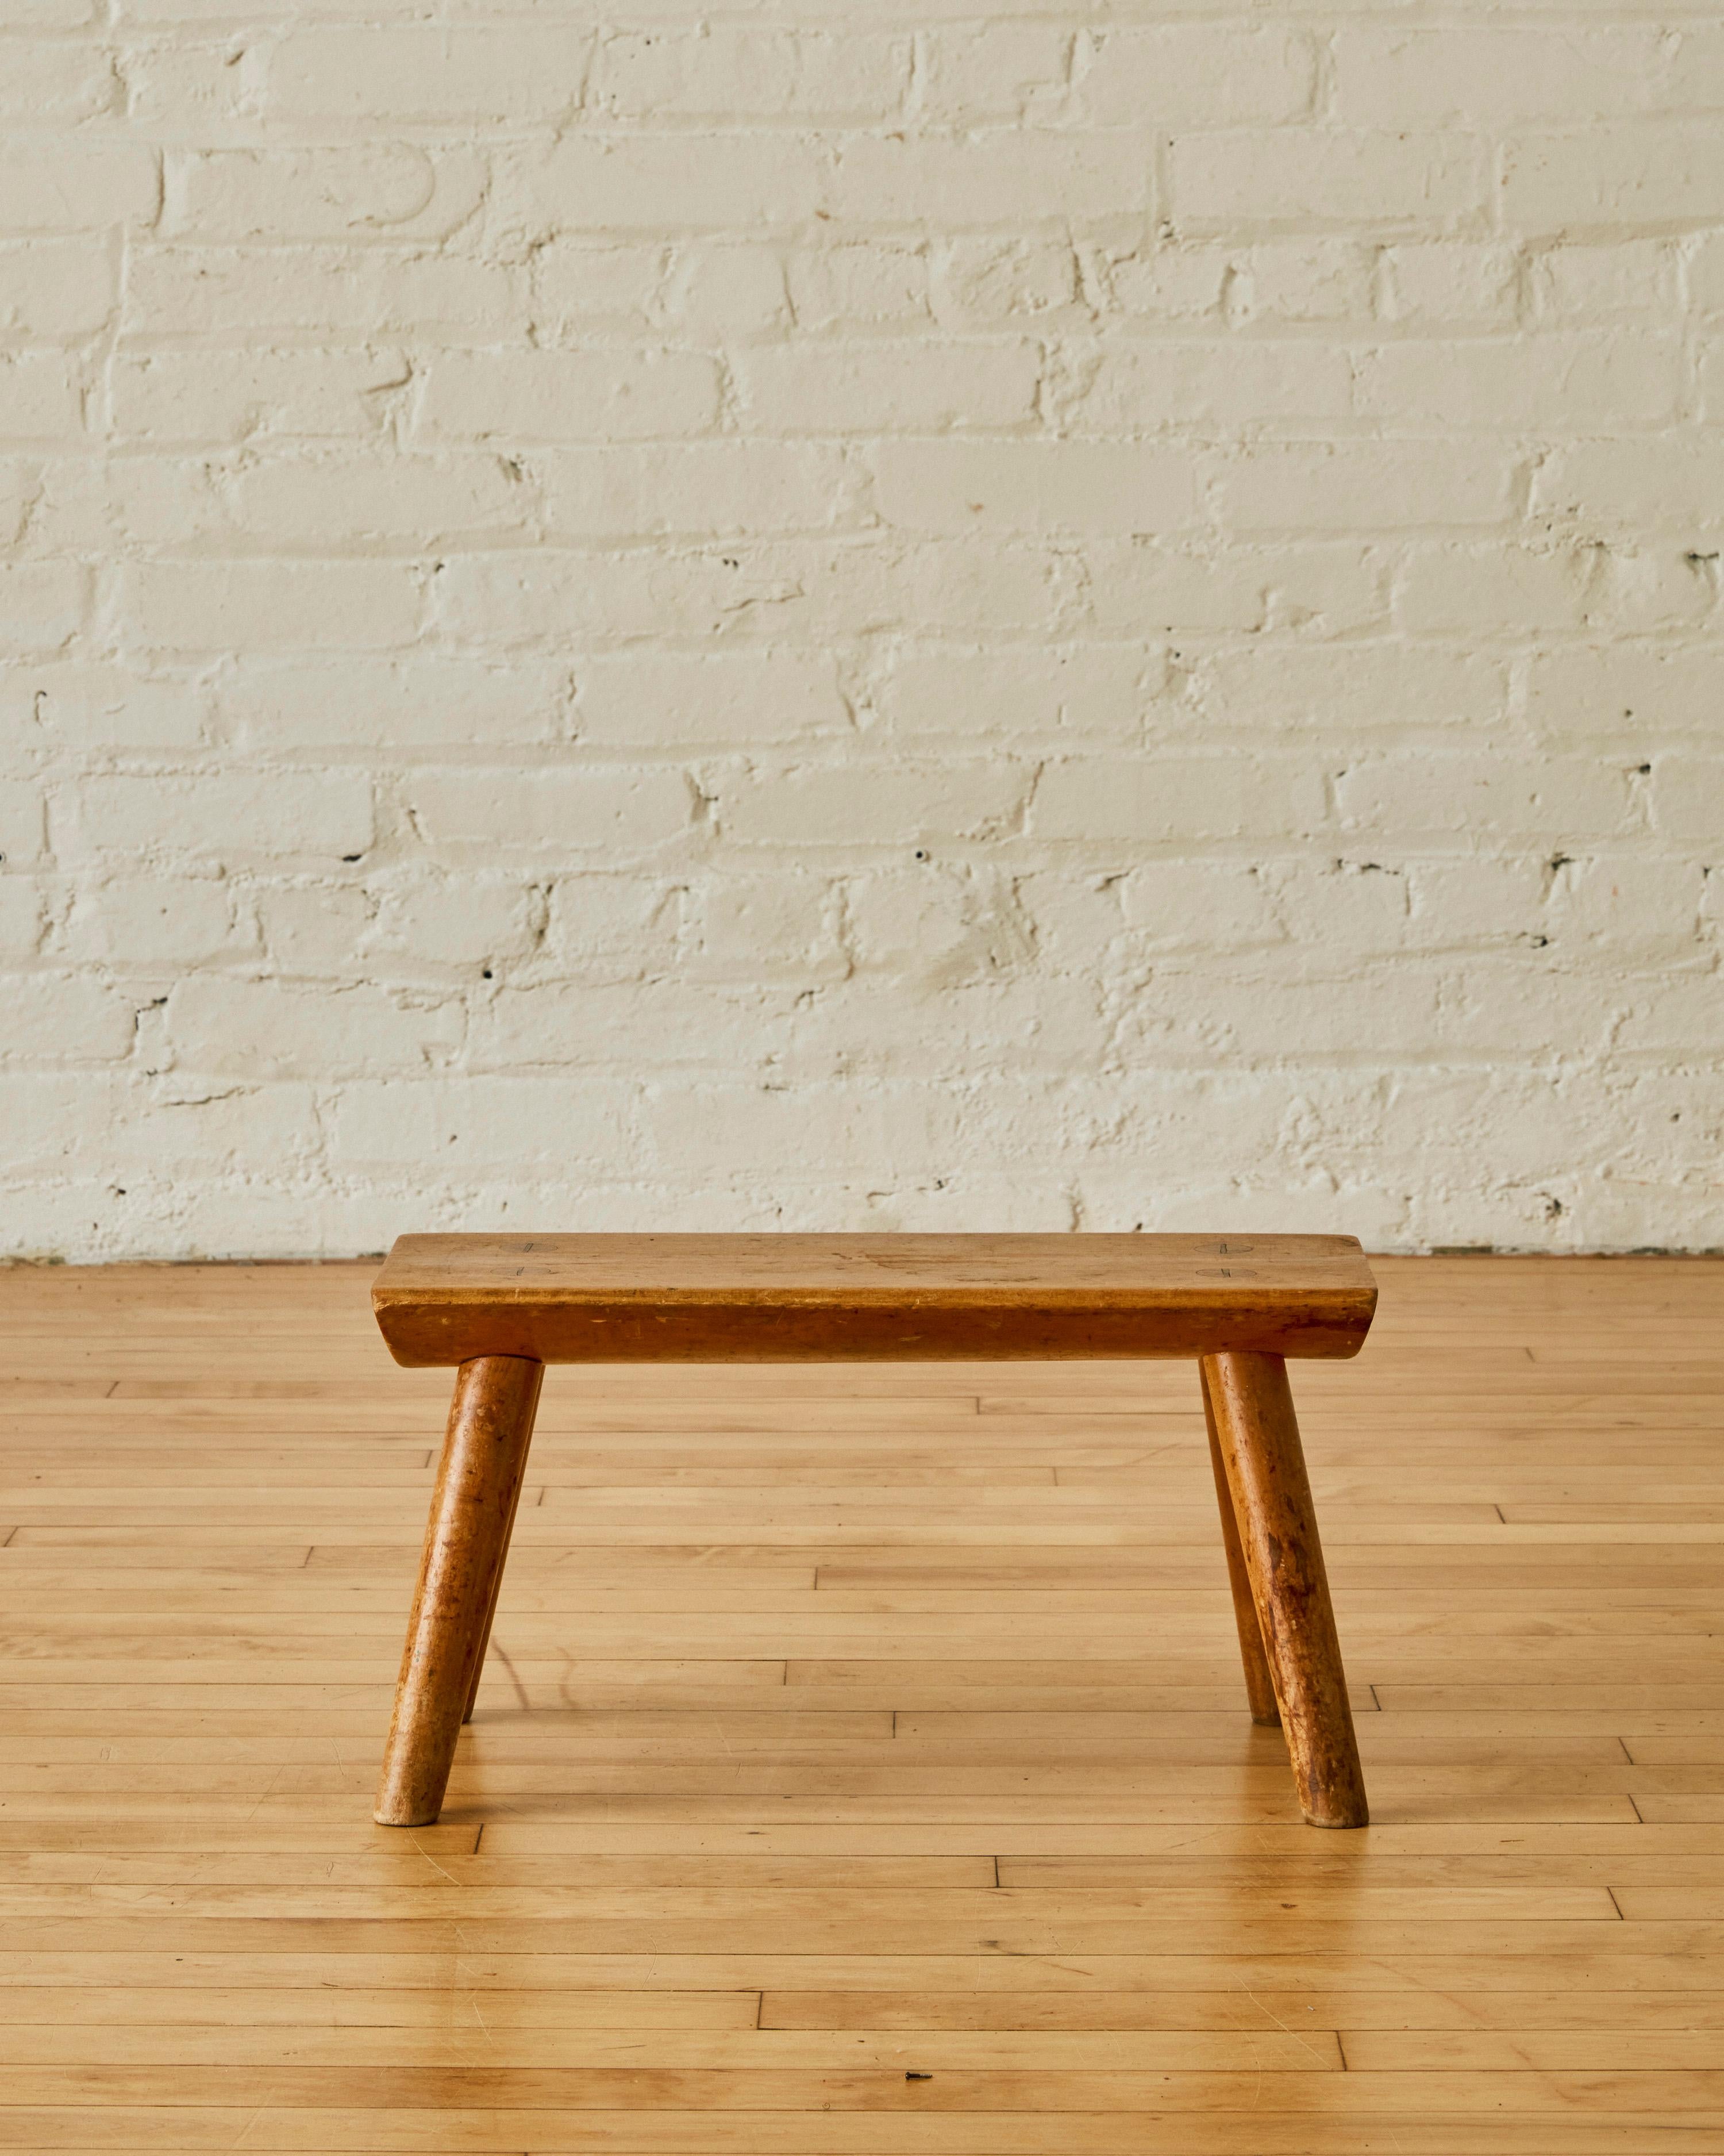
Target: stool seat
point(443, 1299)
point(500, 1307)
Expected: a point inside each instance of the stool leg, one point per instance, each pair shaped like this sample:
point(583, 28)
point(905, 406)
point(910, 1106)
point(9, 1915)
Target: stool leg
point(490, 1425)
point(1259, 1685)
point(1258, 1439)
point(490, 1614)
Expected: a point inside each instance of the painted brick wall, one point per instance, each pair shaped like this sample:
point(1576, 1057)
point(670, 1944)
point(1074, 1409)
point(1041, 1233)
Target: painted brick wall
point(824, 614)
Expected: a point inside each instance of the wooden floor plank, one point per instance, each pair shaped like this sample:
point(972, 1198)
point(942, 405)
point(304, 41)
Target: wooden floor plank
point(671, 2091)
point(482, 2042)
point(451, 2131)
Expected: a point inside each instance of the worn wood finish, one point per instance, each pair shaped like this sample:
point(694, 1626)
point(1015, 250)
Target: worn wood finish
point(473, 1506)
point(683, 1807)
point(1258, 1434)
point(1260, 1682)
point(768, 1298)
point(440, 1299)
point(490, 1613)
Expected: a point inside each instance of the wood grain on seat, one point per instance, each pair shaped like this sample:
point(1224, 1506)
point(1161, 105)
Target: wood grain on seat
point(445, 1298)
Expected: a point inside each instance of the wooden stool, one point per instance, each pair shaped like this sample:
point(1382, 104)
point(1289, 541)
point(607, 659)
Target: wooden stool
point(502, 1306)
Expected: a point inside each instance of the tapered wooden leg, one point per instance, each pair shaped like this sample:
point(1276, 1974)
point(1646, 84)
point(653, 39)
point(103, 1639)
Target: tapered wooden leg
point(490, 1614)
point(1259, 1685)
point(490, 1425)
point(1264, 1464)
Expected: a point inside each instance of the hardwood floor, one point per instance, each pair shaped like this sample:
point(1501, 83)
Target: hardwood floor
point(863, 1768)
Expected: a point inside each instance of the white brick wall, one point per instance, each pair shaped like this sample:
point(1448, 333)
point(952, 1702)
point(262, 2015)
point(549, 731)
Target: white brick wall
point(1011, 612)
